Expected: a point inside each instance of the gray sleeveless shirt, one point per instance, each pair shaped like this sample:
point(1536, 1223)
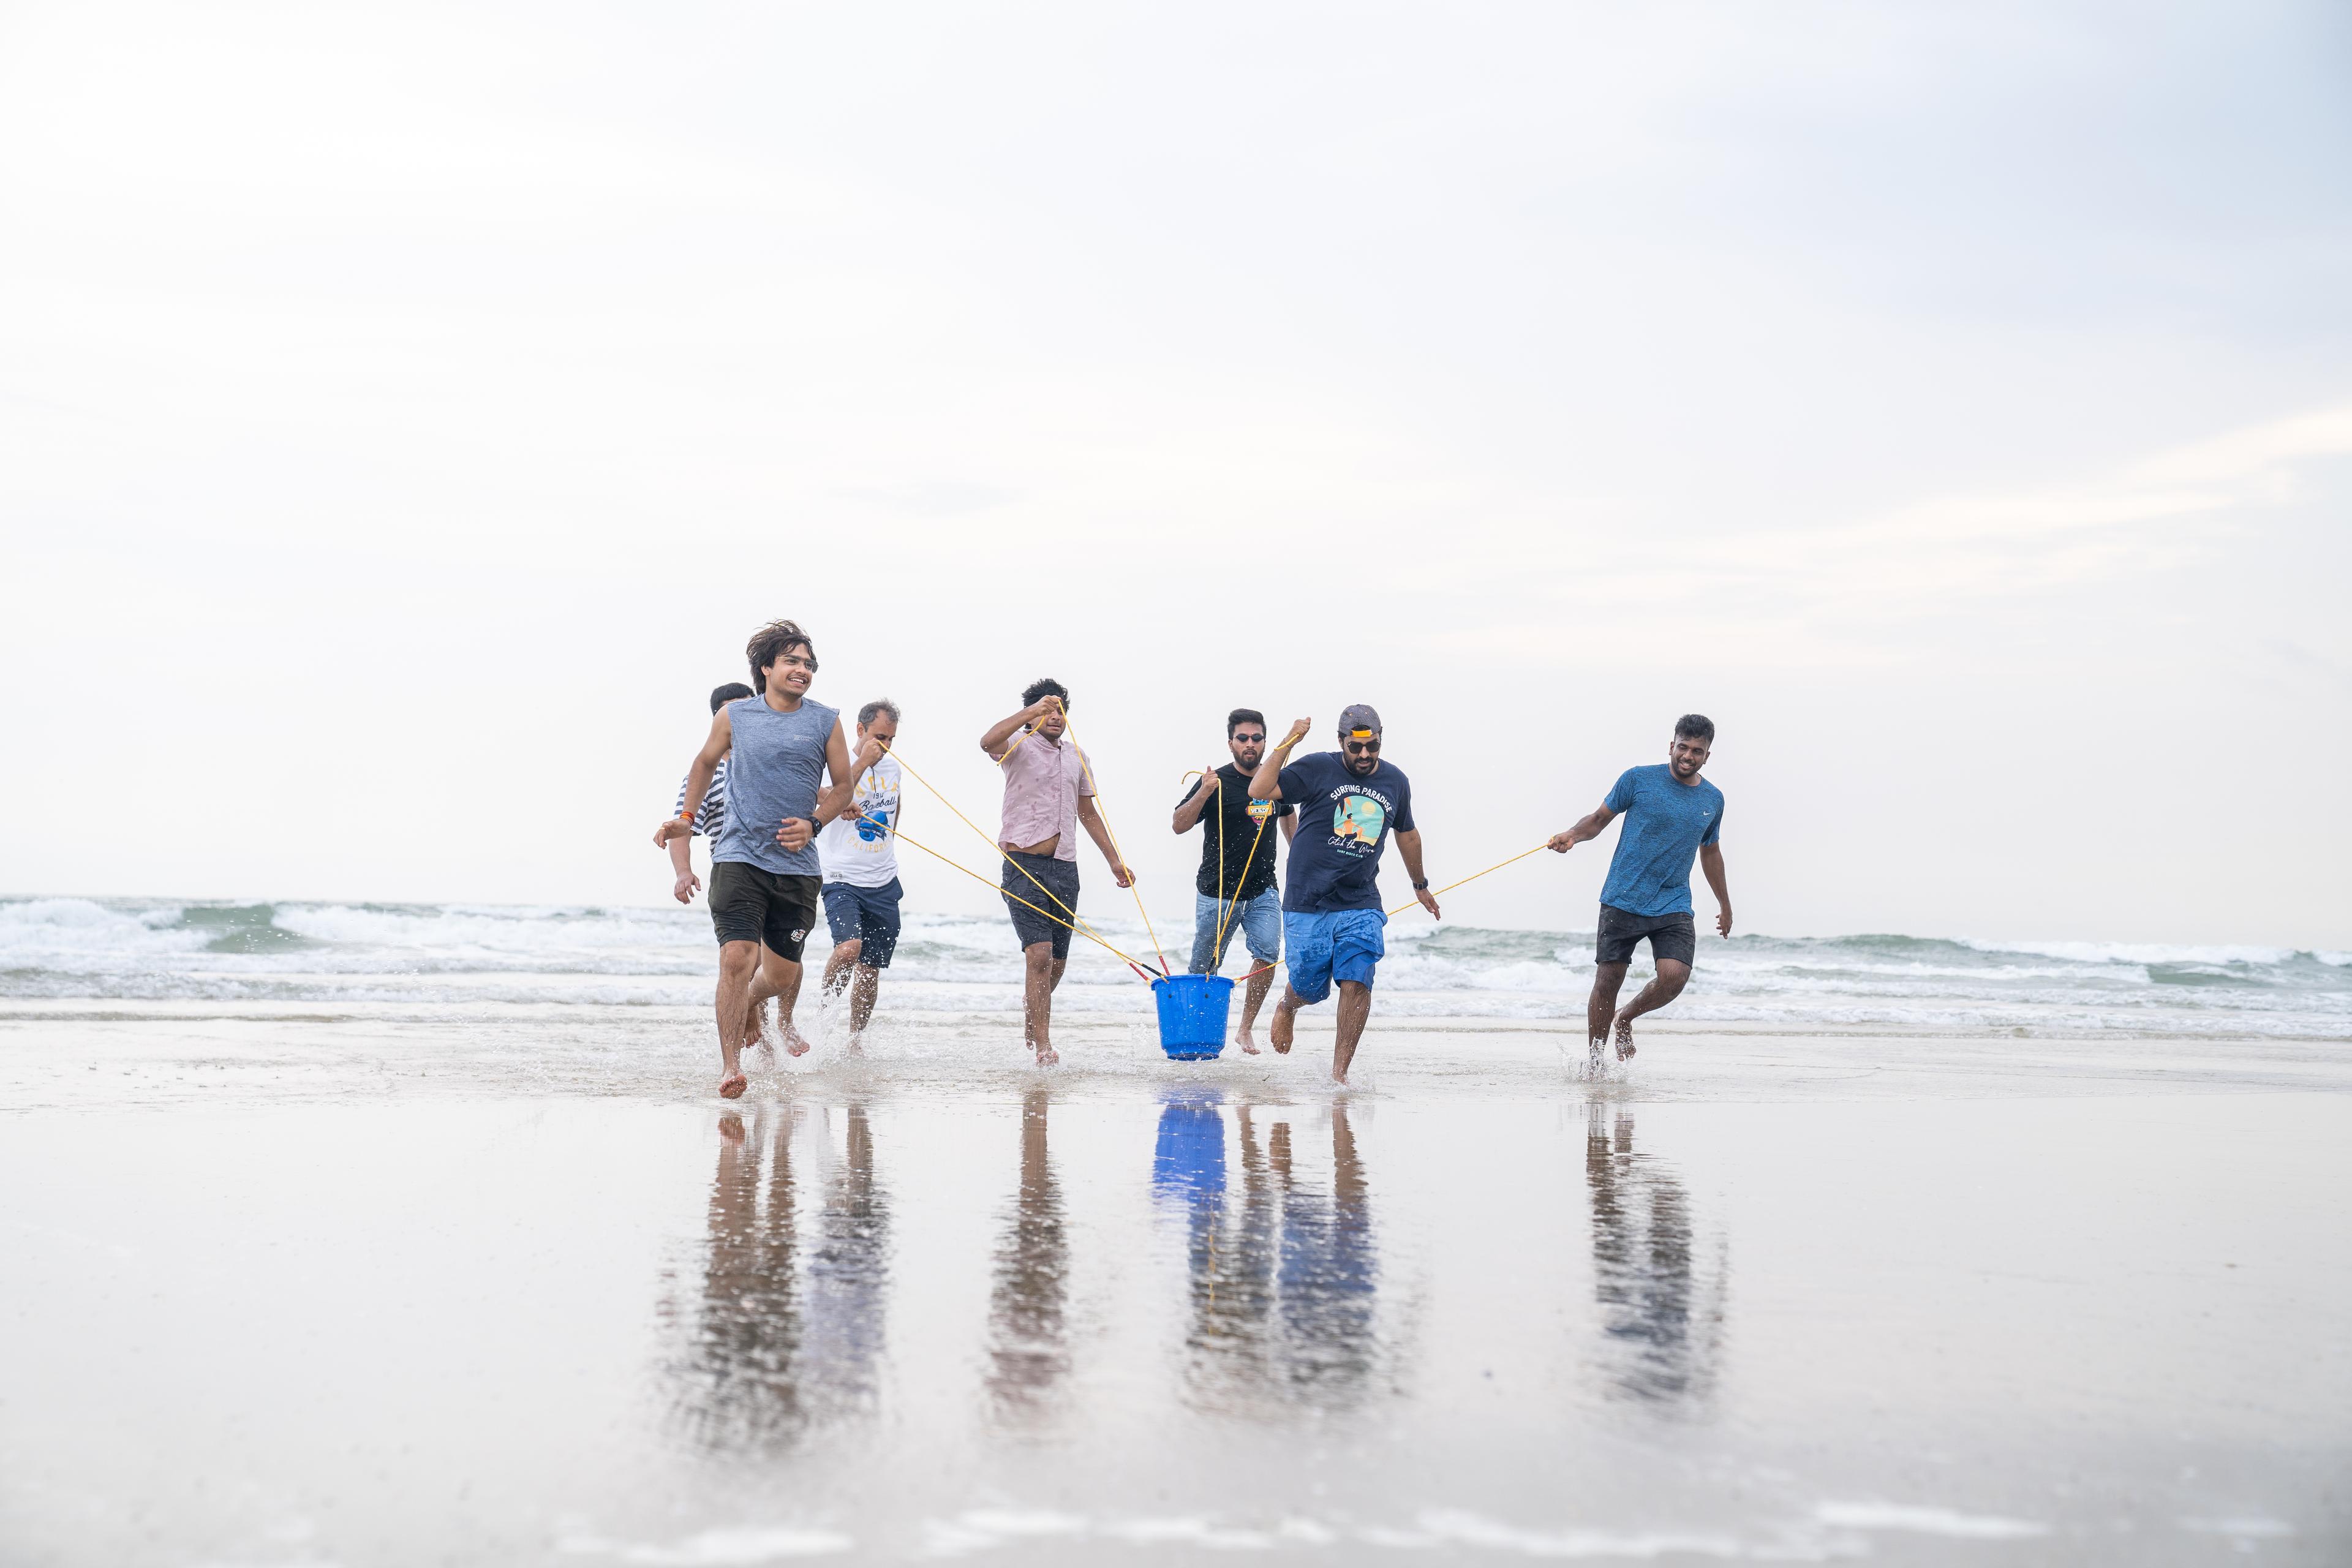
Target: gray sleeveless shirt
point(773, 773)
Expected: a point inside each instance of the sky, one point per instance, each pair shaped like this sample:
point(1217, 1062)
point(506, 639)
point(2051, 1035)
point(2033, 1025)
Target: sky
point(407, 413)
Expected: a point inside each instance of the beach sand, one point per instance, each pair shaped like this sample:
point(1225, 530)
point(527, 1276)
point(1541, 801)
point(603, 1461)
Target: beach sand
point(396, 1285)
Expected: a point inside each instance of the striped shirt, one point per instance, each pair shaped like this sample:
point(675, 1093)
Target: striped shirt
point(712, 817)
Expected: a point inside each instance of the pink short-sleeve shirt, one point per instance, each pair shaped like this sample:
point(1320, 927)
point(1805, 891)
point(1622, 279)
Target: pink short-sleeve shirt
point(1043, 781)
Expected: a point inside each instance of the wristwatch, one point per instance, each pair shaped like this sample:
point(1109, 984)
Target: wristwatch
point(1420, 885)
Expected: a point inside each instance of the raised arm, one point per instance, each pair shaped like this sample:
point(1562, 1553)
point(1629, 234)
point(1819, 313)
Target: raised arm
point(1266, 783)
point(714, 751)
point(1188, 812)
point(1408, 842)
point(997, 739)
point(1710, 860)
point(1091, 820)
point(1589, 827)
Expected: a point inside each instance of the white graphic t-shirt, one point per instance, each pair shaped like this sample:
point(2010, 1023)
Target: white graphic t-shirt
point(859, 849)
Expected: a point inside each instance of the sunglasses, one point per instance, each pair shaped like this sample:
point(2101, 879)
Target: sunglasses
point(1249, 740)
point(1362, 748)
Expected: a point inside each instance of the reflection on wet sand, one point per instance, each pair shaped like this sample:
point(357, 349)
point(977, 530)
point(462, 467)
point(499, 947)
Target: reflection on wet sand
point(1661, 1322)
point(771, 1352)
point(1283, 1291)
point(1028, 1349)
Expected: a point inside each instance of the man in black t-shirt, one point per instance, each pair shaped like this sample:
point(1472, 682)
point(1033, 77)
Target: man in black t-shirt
point(1235, 890)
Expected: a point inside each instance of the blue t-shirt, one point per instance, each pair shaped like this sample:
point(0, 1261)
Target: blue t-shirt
point(1665, 823)
point(1343, 826)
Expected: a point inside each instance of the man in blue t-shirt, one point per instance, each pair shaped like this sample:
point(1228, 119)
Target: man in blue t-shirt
point(1671, 814)
point(1348, 801)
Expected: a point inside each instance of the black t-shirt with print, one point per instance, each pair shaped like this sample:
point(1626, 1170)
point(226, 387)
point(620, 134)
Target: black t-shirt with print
point(1233, 817)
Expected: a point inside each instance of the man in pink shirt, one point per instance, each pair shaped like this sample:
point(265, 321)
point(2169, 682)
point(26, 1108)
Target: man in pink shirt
point(1048, 794)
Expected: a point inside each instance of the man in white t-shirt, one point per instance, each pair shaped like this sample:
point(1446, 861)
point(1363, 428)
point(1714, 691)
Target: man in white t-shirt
point(860, 852)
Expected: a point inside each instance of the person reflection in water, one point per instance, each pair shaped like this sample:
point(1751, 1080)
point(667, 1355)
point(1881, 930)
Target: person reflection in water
point(1663, 1323)
point(773, 1353)
point(1028, 1349)
point(1283, 1294)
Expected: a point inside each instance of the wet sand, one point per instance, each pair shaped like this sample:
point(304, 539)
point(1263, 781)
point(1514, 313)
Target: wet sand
point(378, 1287)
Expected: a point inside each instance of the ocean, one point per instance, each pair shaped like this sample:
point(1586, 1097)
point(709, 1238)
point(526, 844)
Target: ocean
point(457, 957)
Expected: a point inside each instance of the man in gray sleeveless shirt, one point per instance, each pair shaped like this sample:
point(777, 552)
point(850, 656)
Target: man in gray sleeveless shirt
point(764, 872)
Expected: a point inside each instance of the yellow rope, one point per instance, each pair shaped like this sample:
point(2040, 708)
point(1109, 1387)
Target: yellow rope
point(1074, 922)
point(1132, 885)
point(1473, 876)
point(1024, 904)
point(1226, 907)
point(1233, 908)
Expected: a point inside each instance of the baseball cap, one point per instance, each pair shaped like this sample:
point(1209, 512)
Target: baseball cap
point(1359, 716)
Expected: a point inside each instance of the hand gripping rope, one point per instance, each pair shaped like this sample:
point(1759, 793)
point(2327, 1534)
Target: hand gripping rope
point(1227, 909)
point(1075, 922)
point(1132, 885)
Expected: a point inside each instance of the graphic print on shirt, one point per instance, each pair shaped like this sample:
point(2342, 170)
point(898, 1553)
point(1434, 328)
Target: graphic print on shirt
point(1260, 810)
point(874, 803)
point(1357, 825)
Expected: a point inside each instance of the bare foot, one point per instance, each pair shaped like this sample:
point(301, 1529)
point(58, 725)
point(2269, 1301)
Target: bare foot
point(1624, 1039)
point(731, 1127)
point(1593, 1057)
point(1249, 1048)
point(733, 1086)
point(1048, 1056)
point(1277, 1033)
point(796, 1043)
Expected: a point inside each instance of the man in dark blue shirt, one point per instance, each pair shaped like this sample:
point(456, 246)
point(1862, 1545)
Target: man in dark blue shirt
point(1671, 814)
point(1348, 801)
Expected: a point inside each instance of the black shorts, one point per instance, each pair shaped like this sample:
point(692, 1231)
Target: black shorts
point(1061, 879)
point(866, 916)
point(1671, 937)
point(752, 903)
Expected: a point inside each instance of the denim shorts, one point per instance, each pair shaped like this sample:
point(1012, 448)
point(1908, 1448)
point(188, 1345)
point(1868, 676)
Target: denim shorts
point(1345, 944)
point(1258, 920)
point(866, 916)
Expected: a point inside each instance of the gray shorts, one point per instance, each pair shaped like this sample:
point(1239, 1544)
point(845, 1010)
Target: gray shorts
point(1043, 922)
point(1672, 936)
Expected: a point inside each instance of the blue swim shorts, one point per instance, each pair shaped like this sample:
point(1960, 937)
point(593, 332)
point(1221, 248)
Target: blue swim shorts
point(868, 916)
point(1345, 944)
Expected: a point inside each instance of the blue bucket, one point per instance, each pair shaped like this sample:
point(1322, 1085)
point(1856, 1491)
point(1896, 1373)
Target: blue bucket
point(1193, 1009)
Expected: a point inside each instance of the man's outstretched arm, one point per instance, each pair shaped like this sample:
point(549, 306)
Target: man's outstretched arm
point(1589, 827)
point(1091, 820)
point(1710, 860)
point(1408, 842)
point(698, 780)
point(1266, 783)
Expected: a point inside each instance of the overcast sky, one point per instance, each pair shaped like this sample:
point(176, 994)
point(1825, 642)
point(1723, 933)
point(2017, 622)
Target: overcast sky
point(406, 412)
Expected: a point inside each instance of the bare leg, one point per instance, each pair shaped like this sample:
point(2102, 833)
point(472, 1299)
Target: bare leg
point(837, 966)
point(763, 991)
point(738, 963)
point(1252, 996)
point(1286, 1020)
point(1355, 1008)
point(1041, 972)
point(865, 981)
point(1671, 979)
point(1601, 1010)
point(781, 978)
